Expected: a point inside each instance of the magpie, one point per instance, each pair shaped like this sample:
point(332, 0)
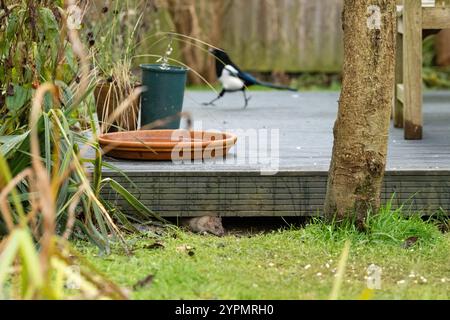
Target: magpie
point(233, 79)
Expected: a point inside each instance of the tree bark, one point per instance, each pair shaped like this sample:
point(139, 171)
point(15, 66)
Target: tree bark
point(362, 126)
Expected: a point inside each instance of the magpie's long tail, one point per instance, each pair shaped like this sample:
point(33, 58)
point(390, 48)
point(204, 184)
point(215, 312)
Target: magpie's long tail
point(275, 86)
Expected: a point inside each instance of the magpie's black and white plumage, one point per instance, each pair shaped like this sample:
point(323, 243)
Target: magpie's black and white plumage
point(234, 79)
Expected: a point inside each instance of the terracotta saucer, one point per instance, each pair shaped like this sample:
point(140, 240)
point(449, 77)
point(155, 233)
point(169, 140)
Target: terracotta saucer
point(167, 144)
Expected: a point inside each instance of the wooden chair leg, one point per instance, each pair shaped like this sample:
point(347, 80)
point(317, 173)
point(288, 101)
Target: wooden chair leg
point(412, 69)
point(398, 103)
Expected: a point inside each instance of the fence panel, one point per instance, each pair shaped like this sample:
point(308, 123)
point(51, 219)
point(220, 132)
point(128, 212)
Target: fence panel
point(287, 35)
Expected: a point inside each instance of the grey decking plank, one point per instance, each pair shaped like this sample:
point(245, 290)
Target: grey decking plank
point(414, 168)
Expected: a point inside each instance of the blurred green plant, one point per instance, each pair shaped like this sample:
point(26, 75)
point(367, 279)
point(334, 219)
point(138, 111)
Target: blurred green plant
point(434, 76)
point(113, 33)
point(38, 47)
point(50, 191)
point(28, 272)
point(32, 51)
point(317, 81)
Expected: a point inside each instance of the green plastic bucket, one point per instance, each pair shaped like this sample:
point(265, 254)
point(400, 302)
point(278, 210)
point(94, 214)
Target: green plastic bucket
point(163, 94)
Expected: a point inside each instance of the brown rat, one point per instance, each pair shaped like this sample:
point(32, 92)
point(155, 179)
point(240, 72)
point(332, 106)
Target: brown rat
point(205, 224)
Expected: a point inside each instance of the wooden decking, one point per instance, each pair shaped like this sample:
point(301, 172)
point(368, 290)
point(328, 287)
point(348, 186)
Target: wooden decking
point(414, 16)
point(418, 172)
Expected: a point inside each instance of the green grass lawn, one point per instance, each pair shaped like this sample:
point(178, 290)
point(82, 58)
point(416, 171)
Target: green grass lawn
point(284, 264)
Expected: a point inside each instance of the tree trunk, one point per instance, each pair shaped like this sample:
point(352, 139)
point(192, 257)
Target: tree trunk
point(362, 126)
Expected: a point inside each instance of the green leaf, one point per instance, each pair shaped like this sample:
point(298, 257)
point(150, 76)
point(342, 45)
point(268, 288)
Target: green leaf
point(38, 59)
point(12, 23)
point(48, 22)
point(5, 178)
point(30, 257)
point(71, 60)
point(100, 220)
point(48, 145)
point(72, 106)
point(11, 29)
point(48, 101)
point(7, 257)
point(133, 201)
point(9, 143)
point(21, 96)
point(67, 94)
point(114, 168)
